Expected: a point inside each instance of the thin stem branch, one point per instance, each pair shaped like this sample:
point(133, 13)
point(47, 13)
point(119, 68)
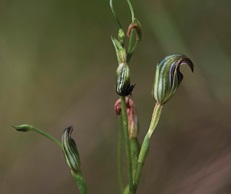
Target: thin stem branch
point(26, 127)
point(41, 132)
point(119, 154)
point(114, 14)
point(146, 142)
point(129, 55)
point(155, 118)
point(130, 46)
point(135, 46)
point(131, 10)
point(127, 143)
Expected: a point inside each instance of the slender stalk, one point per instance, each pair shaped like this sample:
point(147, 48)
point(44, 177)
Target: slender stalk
point(135, 46)
point(119, 155)
point(130, 46)
point(146, 142)
point(114, 14)
point(131, 10)
point(127, 143)
point(129, 54)
point(26, 127)
point(135, 149)
point(155, 118)
point(48, 136)
point(78, 176)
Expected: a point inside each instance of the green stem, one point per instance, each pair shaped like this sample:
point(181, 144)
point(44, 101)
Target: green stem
point(127, 143)
point(146, 142)
point(78, 176)
point(119, 155)
point(135, 46)
point(155, 118)
point(26, 127)
point(114, 14)
point(135, 150)
point(131, 10)
point(130, 44)
point(43, 133)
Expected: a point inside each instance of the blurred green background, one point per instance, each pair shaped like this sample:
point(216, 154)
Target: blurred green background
point(58, 69)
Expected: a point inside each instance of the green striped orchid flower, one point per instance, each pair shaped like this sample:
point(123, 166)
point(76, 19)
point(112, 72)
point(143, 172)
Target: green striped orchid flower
point(70, 150)
point(168, 76)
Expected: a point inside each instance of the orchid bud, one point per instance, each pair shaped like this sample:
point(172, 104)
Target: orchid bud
point(123, 87)
point(121, 37)
point(70, 150)
point(168, 76)
point(23, 127)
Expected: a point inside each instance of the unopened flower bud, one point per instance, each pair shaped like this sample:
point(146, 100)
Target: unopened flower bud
point(70, 150)
point(168, 76)
point(23, 127)
point(121, 37)
point(123, 87)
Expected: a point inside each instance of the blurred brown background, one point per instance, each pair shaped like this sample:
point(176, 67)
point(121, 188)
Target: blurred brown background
point(58, 69)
